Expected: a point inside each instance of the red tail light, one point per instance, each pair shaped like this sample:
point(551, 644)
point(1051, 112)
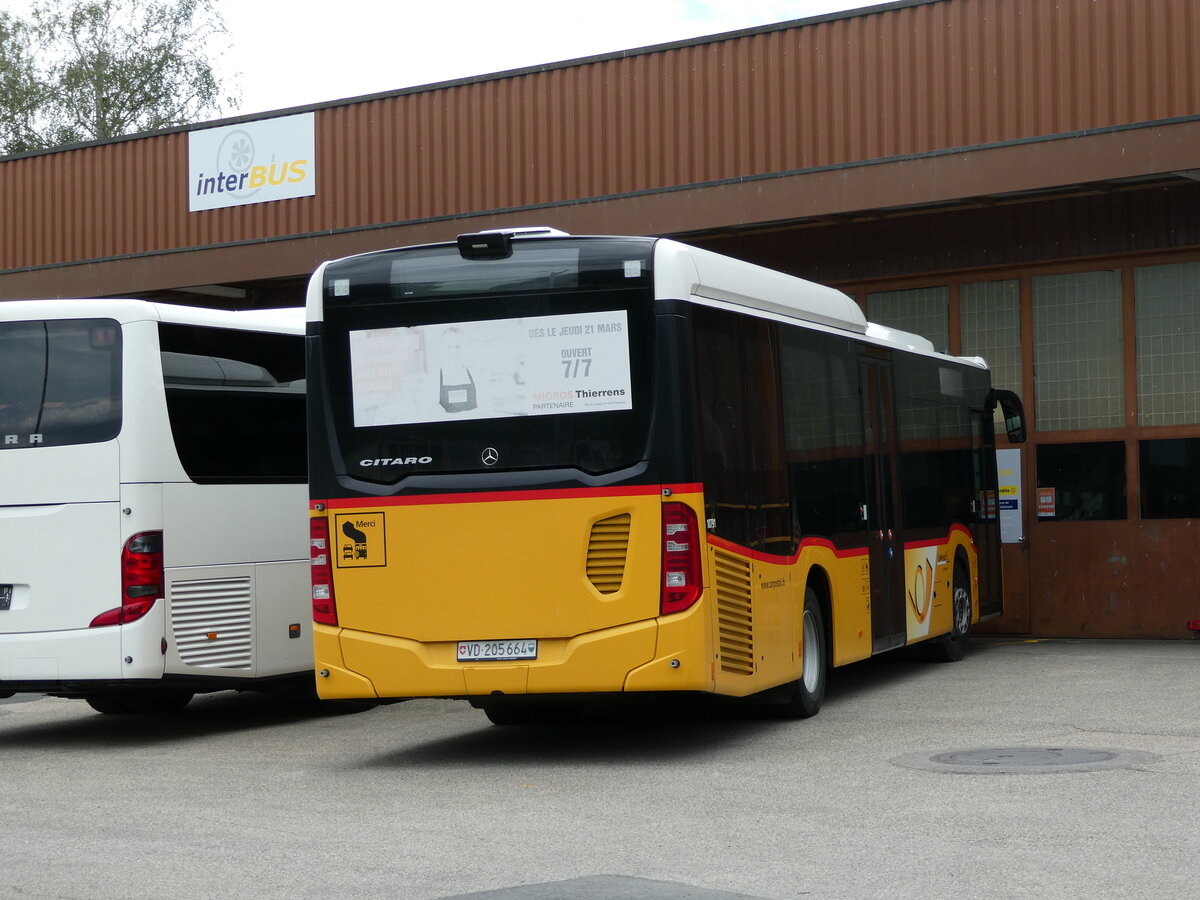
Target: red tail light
point(681, 585)
point(142, 580)
point(324, 608)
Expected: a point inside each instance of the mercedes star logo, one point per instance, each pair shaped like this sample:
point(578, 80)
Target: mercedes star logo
point(489, 456)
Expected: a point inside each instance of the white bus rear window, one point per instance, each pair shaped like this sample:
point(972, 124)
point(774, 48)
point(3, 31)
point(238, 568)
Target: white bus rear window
point(535, 268)
point(60, 382)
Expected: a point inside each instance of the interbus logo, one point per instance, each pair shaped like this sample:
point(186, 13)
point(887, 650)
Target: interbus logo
point(258, 176)
point(252, 163)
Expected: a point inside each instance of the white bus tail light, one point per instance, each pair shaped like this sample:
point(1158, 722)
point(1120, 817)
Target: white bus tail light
point(681, 584)
point(323, 606)
point(142, 580)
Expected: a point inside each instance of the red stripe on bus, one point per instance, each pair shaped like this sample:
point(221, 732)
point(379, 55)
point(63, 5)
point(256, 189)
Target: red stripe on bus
point(781, 560)
point(641, 490)
point(825, 543)
point(937, 542)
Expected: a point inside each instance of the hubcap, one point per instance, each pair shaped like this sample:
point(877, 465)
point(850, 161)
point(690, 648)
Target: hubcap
point(962, 610)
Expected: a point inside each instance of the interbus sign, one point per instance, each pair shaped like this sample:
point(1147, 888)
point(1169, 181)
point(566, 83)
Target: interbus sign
point(253, 162)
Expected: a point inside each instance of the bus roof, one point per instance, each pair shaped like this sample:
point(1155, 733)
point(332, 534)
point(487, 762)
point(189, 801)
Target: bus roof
point(682, 272)
point(281, 321)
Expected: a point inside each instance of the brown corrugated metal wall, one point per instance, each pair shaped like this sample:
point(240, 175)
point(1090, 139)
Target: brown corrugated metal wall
point(896, 81)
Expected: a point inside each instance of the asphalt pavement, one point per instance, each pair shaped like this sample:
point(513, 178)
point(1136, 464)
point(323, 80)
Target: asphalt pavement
point(1029, 769)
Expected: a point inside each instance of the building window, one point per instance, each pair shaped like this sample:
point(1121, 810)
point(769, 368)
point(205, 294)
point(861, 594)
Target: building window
point(1077, 351)
point(1081, 482)
point(1170, 478)
point(991, 328)
point(1166, 301)
point(923, 311)
point(990, 314)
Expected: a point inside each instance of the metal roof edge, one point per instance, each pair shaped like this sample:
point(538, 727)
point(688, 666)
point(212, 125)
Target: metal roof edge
point(484, 77)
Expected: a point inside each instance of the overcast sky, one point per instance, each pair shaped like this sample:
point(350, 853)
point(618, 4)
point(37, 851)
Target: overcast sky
point(287, 53)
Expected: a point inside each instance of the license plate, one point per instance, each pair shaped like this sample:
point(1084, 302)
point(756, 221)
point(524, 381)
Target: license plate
point(487, 651)
point(5, 596)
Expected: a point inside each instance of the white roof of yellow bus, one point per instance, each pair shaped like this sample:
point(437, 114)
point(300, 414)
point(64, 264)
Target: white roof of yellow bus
point(690, 273)
point(682, 272)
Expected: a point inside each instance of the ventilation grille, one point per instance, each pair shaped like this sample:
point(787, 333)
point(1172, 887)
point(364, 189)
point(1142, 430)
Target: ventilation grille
point(220, 607)
point(734, 615)
point(608, 547)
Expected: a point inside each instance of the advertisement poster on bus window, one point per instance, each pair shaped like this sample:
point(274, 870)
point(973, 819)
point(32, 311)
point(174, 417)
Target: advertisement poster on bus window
point(537, 366)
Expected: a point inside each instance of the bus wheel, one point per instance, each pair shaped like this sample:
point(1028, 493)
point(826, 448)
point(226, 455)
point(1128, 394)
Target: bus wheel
point(953, 646)
point(803, 697)
point(160, 703)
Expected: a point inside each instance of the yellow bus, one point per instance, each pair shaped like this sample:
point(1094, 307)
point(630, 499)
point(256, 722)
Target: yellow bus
point(548, 469)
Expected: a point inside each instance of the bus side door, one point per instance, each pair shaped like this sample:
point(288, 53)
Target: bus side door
point(985, 528)
point(885, 543)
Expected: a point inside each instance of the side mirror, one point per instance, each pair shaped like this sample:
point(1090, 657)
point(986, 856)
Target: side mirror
point(1014, 413)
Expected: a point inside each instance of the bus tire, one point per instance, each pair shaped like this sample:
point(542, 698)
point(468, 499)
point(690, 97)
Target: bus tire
point(803, 696)
point(159, 703)
point(953, 646)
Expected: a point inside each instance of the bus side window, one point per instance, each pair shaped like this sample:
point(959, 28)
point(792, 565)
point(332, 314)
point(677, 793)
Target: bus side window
point(236, 403)
point(824, 431)
point(937, 472)
point(722, 452)
point(740, 432)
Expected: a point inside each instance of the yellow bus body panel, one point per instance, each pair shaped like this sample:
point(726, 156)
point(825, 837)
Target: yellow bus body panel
point(334, 680)
point(929, 585)
point(684, 656)
point(430, 575)
point(849, 577)
point(596, 662)
point(504, 569)
point(517, 569)
point(758, 607)
point(608, 661)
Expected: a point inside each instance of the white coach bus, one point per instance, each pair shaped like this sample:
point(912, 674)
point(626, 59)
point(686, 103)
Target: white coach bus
point(152, 502)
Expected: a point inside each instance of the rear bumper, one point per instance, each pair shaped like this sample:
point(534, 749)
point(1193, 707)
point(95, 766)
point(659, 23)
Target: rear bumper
point(648, 656)
point(197, 684)
point(30, 661)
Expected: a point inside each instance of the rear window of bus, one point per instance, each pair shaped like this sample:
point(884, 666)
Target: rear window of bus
point(60, 382)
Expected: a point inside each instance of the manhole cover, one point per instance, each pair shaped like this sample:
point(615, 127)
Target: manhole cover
point(1024, 760)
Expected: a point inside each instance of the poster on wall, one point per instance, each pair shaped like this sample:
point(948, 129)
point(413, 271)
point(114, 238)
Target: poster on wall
point(497, 369)
point(1008, 468)
point(252, 162)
